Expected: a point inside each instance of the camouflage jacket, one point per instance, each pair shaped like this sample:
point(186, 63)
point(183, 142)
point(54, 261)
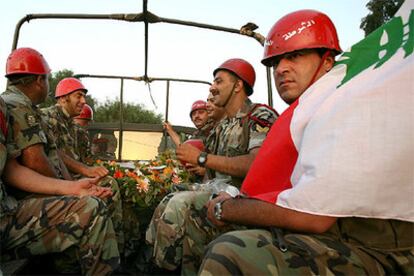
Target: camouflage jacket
point(60, 123)
point(82, 143)
point(240, 134)
point(8, 204)
point(29, 128)
point(204, 132)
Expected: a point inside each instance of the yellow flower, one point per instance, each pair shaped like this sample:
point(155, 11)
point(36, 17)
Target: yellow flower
point(142, 185)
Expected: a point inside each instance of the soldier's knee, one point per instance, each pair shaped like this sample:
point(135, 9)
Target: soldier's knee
point(92, 206)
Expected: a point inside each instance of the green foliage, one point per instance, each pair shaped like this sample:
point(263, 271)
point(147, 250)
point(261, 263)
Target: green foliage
point(381, 11)
point(109, 111)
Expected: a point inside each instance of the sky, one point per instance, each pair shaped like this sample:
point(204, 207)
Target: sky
point(109, 47)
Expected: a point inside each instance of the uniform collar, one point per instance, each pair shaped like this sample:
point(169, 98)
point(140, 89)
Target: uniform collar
point(15, 90)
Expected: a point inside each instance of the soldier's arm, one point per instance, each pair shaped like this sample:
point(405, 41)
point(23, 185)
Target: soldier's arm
point(235, 166)
point(34, 157)
point(174, 135)
point(80, 168)
point(28, 180)
point(264, 214)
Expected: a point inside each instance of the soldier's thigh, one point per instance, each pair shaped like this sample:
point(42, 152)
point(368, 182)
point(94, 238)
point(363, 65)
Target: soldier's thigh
point(257, 252)
point(46, 224)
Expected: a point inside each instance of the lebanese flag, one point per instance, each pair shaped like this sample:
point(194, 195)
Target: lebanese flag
point(346, 146)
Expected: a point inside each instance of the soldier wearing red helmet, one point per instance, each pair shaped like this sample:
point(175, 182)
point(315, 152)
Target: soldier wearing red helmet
point(232, 147)
point(70, 94)
point(291, 240)
point(83, 143)
point(58, 217)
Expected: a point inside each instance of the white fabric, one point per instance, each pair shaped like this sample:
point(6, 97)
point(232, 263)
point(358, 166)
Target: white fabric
point(356, 143)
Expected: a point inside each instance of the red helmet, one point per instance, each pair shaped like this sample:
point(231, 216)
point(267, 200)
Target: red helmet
point(241, 68)
point(67, 86)
point(86, 113)
point(304, 29)
point(26, 61)
point(198, 105)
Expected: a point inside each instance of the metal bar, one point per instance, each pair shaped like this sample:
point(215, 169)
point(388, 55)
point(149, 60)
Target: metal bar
point(166, 113)
point(199, 25)
point(269, 87)
point(137, 127)
point(145, 12)
point(123, 17)
point(121, 120)
point(142, 78)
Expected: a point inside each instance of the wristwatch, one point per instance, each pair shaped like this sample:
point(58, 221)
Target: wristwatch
point(202, 159)
point(218, 210)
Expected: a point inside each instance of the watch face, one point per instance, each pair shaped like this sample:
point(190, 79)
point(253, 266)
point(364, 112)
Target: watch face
point(202, 158)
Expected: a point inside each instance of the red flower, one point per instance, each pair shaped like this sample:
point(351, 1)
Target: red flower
point(118, 174)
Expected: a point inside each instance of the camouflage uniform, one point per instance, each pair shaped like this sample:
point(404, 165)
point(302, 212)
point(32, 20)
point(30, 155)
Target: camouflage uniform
point(82, 144)
point(28, 126)
point(41, 224)
point(62, 125)
point(353, 246)
point(233, 137)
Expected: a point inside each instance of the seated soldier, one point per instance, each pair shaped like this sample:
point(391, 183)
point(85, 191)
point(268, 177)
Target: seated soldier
point(326, 200)
point(237, 140)
point(199, 117)
point(63, 215)
point(27, 72)
point(82, 141)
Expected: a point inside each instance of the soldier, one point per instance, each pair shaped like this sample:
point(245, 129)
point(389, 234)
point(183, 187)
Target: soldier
point(70, 95)
point(215, 114)
point(199, 117)
point(82, 141)
point(238, 138)
point(43, 224)
point(300, 241)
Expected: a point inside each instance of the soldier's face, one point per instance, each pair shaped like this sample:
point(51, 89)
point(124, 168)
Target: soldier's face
point(293, 73)
point(213, 111)
point(43, 81)
point(74, 103)
point(222, 87)
point(199, 117)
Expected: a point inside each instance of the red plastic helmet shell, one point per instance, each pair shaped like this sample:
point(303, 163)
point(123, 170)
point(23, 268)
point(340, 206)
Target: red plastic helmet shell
point(86, 113)
point(198, 143)
point(26, 61)
point(200, 104)
point(303, 29)
point(67, 86)
point(241, 68)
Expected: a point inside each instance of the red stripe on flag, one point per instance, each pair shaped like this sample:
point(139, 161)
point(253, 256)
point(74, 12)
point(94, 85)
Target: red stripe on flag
point(270, 172)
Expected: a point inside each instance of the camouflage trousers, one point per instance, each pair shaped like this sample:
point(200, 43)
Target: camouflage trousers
point(54, 224)
point(167, 226)
point(255, 252)
point(115, 209)
point(179, 231)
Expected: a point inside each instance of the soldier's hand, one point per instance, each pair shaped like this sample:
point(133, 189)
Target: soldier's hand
point(194, 169)
point(96, 171)
point(87, 186)
point(222, 196)
point(102, 192)
point(187, 153)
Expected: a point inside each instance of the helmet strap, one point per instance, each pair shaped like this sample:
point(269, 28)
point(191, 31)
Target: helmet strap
point(325, 55)
point(229, 97)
